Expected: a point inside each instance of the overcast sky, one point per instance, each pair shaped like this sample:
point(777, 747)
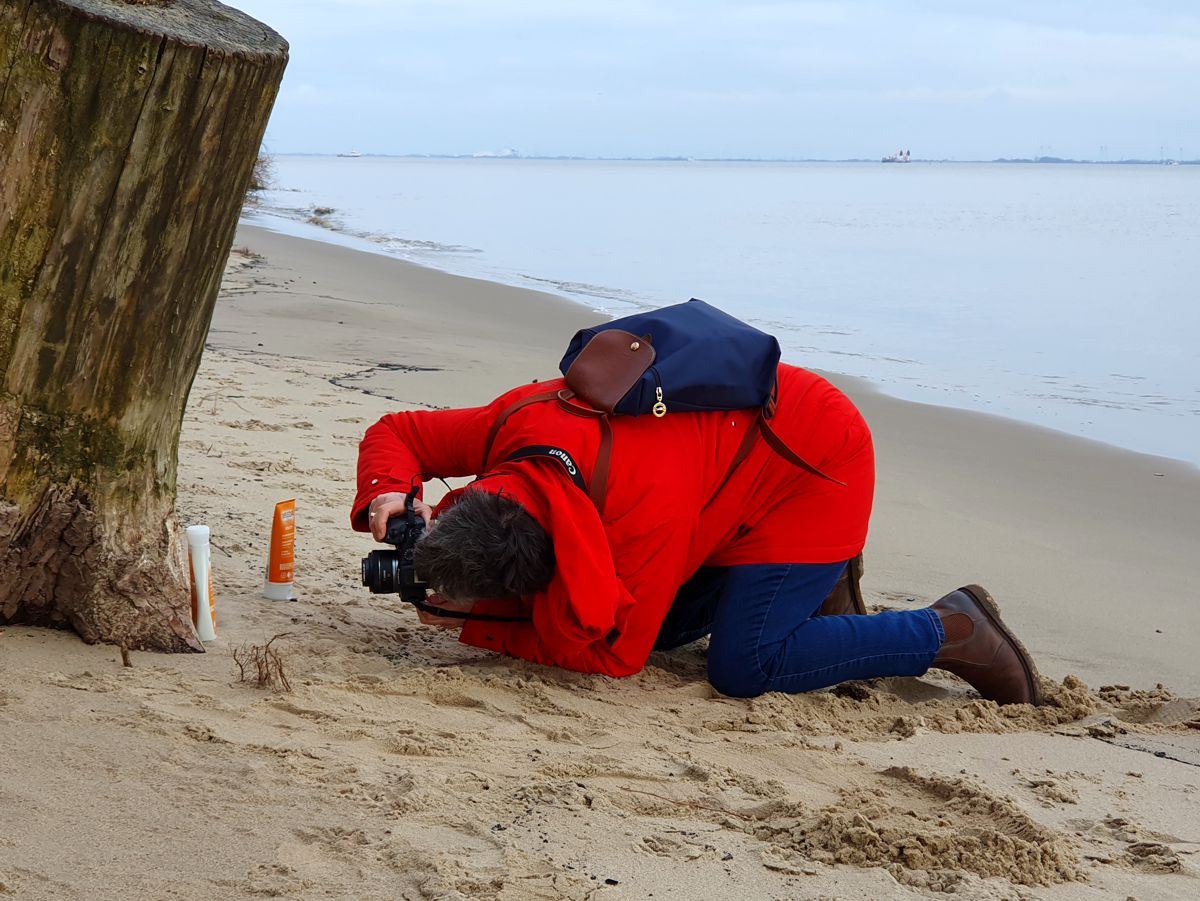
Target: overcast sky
point(722, 78)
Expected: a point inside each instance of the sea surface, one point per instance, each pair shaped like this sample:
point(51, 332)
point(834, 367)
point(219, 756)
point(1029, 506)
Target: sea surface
point(1062, 295)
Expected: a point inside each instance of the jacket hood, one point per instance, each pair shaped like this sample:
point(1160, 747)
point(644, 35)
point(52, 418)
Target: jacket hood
point(581, 600)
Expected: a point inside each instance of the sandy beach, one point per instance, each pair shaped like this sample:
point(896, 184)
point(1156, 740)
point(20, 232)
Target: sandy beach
point(404, 765)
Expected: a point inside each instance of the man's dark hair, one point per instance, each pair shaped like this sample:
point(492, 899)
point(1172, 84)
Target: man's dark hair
point(485, 546)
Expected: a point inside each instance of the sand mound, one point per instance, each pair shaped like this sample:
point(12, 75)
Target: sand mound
point(899, 708)
point(921, 828)
point(1156, 707)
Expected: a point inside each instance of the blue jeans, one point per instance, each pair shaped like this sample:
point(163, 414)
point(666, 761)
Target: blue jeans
point(766, 636)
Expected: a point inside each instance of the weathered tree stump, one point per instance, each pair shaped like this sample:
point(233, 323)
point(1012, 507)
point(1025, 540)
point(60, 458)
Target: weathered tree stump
point(128, 129)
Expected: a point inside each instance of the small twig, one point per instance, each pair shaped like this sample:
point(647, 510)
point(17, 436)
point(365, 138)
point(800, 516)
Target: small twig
point(125, 661)
point(238, 658)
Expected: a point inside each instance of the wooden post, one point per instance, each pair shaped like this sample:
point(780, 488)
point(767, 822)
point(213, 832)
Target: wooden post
point(128, 129)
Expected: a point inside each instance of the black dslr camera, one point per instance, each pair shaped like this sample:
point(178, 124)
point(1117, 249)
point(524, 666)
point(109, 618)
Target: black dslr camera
point(392, 572)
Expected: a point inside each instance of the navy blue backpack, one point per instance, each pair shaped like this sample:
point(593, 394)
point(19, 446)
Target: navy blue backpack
point(690, 357)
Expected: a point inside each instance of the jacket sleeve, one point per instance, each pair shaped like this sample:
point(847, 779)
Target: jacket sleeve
point(397, 449)
point(641, 601)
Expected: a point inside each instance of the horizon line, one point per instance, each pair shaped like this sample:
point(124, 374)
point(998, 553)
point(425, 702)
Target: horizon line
point(740, 159)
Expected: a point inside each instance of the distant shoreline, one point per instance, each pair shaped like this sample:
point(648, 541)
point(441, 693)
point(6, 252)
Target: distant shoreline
point(1031, 161)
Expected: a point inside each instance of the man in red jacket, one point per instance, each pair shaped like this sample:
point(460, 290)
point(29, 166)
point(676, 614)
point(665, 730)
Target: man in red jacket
point(706, 527)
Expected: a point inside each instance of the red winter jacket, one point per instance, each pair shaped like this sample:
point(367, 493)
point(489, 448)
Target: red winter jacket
point(664, 517)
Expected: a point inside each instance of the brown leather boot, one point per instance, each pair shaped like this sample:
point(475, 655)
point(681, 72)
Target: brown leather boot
point(846, 597)
point(980, 649)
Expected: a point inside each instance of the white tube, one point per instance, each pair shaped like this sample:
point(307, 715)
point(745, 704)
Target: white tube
point(204, 605)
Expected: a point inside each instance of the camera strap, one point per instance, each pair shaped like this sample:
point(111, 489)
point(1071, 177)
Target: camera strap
point(563, 458)
point(467, 615)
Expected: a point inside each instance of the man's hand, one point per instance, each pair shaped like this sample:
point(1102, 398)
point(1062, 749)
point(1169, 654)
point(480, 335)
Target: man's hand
point(444, 622)
point(392, 504)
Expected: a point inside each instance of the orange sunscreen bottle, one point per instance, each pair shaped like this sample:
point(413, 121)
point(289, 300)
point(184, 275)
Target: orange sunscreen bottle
point(281, 566)
point(204, 604)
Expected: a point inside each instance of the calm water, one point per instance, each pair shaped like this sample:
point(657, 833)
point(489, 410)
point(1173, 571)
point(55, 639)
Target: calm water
point(1060, 295)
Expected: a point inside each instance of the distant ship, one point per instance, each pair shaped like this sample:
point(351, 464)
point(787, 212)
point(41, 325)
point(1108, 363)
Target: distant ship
point(900, 156)
point(351, 153)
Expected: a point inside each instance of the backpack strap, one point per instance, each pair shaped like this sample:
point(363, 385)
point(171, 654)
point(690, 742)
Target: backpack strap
point(739, 457)
point(503, 417)
point(566, 399)
point(776, 444)
point(599, 488)
point(760, 426)
point(599, 491)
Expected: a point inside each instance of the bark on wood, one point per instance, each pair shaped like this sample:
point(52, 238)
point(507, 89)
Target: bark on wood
point(128, 129)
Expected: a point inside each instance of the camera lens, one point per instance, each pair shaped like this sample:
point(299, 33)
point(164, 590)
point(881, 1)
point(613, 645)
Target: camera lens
point(381, 572)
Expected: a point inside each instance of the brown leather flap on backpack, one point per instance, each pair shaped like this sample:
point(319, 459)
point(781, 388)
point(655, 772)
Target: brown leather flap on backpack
point(608, 367)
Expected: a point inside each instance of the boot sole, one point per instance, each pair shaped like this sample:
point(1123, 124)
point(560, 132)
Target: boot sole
point(992, 611)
